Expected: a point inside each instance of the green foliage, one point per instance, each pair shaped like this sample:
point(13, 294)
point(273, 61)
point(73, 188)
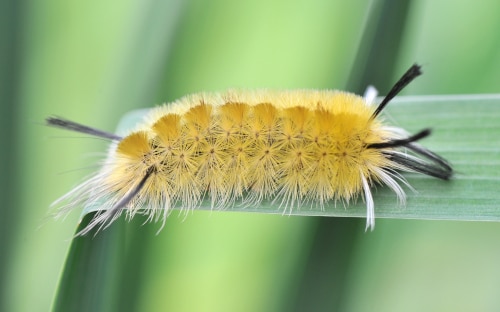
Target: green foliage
point(94, 61)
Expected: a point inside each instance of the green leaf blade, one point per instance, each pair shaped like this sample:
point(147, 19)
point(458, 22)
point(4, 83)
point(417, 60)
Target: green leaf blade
point(464, 133)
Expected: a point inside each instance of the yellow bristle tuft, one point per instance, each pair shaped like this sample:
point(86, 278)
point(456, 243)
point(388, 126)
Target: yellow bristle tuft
point(264, 121)
point(167, 128)
point(134, 146)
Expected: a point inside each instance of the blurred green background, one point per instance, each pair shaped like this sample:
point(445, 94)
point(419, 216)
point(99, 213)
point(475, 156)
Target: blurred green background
point(93, 61)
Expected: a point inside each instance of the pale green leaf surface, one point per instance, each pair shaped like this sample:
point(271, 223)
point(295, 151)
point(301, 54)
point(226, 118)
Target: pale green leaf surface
point(466, 131)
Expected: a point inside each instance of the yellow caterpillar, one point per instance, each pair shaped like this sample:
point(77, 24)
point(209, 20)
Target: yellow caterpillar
point(296, 148)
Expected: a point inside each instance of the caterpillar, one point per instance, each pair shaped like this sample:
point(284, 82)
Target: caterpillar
point(295, 148)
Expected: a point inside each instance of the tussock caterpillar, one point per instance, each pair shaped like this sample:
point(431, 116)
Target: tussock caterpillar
point(296, 148)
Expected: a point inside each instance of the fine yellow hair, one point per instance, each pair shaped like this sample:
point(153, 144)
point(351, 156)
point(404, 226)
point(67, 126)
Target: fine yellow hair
point(299, 146)
point(296, 148)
